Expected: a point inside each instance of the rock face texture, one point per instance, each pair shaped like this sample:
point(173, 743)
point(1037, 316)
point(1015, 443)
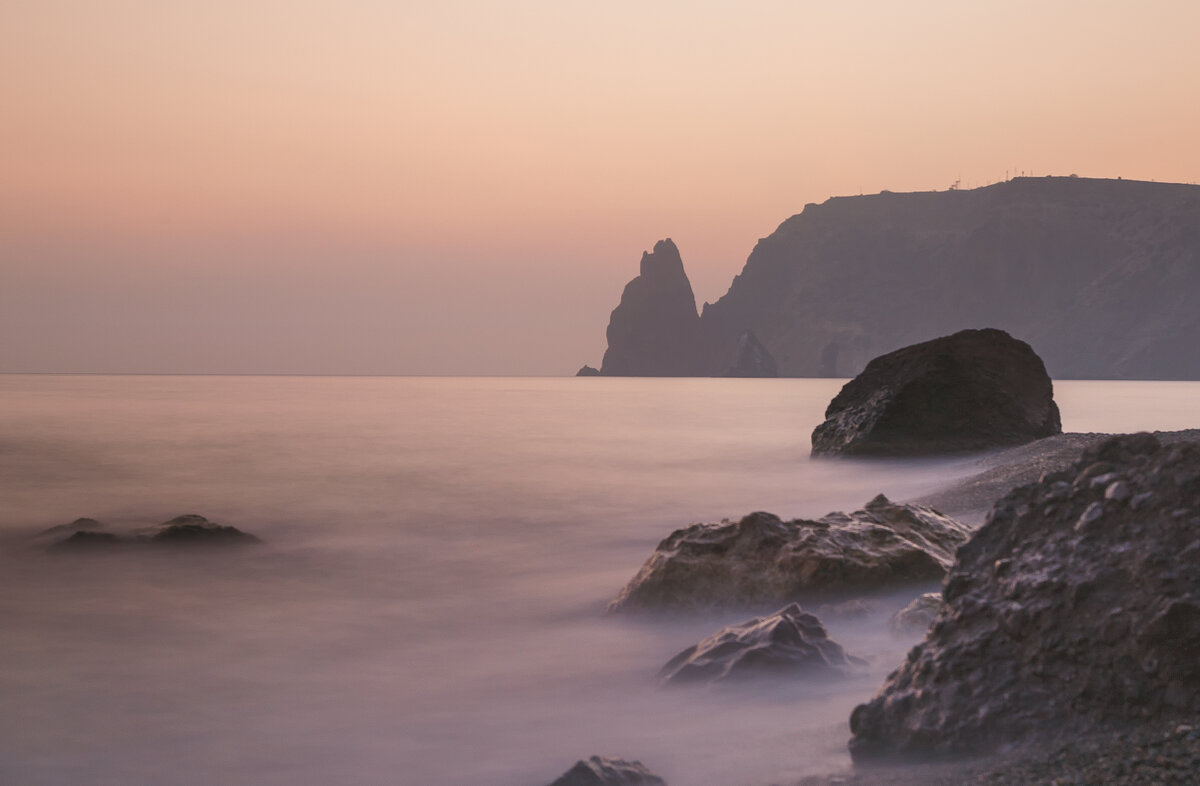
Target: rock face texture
point(1075, 606)
point(751, 359)
point(599, 771)
point(790, 643)
point(974, 390)
point(1100, 275)
point(653, 332)
point(763, 561)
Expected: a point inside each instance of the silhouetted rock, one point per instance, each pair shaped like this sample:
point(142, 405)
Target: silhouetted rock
point(789, 643)
point(654, 330)
point(195, 529)
point(917, 616)
point(974, 390)
point(86, 540)
point(599, 771)
point(764, 561)
point(1075, 606)
point(59, 531)
point(751, 359)
point(587, 371)
point(1099, 275)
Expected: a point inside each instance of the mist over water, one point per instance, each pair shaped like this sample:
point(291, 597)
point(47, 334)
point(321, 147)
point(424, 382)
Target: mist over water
point(428, 606)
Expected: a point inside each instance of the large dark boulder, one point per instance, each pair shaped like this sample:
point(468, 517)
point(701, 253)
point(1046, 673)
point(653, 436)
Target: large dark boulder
point(974, 390)
point(654, 331)
point(790, 643)
point(1076, 606)
point(600, 771)
point(763, 561)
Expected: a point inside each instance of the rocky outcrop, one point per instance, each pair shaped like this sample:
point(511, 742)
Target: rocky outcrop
point(917, 616)
point(655, 329)
point(763, 561)
point(1099, 275)
point(974, 390)
point(791, 643)
point(751, 359)
point(588, 371)
point(189, 529)
point(599, 771)
point(1076, 605)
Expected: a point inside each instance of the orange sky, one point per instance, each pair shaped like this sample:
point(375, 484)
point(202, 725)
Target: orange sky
point(465, 187)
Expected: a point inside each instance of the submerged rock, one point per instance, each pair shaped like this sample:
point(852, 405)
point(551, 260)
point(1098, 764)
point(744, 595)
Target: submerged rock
point(789, 643)
point(87, 540)
point(917, 616)
point(1053, 627)
point(189, 529)
point(599, 771)
point(587, 371)
point(192, 528)
point(762, 560)
point(974, 390)
point(751, 359)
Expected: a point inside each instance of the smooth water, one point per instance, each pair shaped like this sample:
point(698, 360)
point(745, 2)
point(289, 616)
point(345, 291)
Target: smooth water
point(429, 605)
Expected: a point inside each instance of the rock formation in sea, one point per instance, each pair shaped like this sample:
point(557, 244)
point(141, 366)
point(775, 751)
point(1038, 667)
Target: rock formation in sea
point(1075, 607)
point(653, 332)
point(763, 561)
point(587, 371)
point(974, 390)
point(186, 530)
point(601, 771)
point(791, 644)
point(1100, 275)
point(751, 359)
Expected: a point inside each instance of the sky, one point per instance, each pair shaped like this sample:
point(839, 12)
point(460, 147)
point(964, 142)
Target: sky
point(375, 187)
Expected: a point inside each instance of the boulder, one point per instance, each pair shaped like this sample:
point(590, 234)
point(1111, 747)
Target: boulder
point(763, 561)
point(654, 331)
point(917, 616)
point(790, 643)
point(587, 371)
point(599, 771)
point(972, 391)
point(1075, 607)
point(751, 359)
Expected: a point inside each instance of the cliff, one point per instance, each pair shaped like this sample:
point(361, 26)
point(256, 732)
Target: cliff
point(1101, 277)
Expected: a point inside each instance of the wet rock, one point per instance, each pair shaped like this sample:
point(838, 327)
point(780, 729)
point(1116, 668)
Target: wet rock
point(600, 771)
point(917, 616)
point(751, 359)
point(974, 390)
point(791, 643)
point(1052, 630)
point(763, 561)
point(195, 529)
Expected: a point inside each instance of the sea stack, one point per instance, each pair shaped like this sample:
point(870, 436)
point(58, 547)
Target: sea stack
point(974, 390)
point(654, 331)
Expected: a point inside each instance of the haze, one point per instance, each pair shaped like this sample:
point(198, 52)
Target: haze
point(465, 187)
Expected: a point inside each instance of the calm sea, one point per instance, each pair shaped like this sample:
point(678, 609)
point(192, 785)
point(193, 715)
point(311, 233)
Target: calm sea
point(428, 607)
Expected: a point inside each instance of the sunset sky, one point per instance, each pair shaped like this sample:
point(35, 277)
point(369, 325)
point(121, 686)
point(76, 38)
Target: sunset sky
point(465, 187)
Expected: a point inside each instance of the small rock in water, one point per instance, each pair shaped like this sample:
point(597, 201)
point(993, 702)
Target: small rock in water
point(1091, 514)
point(600, 771)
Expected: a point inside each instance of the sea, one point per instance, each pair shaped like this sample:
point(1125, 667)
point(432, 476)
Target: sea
point(428, 607)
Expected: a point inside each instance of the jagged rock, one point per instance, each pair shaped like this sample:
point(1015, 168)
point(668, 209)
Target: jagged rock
point(789, 643)
point(763, 561)
point(1052, 628)
point(195, 529)
point(917, 616)
point(974, 390)
point(751, 359)
point(600, 771)
point(588, 371)
point(654, 330)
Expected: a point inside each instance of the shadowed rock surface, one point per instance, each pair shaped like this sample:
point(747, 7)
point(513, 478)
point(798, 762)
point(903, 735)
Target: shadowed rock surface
point(974, 390)
point(653, 331)
point(1076, 606)
point(917, 616)
point(599, 771)
point(791, 643)
point(751, 359)
point(762, 560)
